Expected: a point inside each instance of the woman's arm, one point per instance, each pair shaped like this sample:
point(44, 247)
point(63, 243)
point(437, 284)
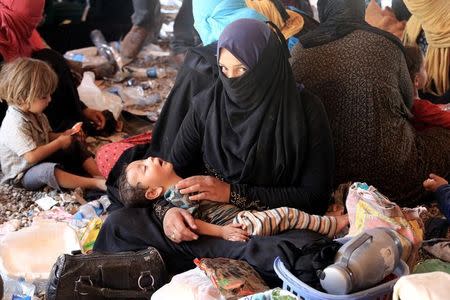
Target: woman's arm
point(178, 224)
point(186, 154)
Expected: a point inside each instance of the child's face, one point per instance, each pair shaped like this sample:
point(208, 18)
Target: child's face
point(421, 77)
point(149, 173)
point(39, 105)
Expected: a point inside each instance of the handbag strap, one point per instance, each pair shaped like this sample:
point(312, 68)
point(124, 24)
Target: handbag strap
point(84, 289)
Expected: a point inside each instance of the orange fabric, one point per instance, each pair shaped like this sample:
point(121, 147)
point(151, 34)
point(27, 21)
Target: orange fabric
point(384, 19)
point(18, 22)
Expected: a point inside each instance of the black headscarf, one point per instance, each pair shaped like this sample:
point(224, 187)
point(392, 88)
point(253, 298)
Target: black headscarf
point(339, 18)
point(255, 128)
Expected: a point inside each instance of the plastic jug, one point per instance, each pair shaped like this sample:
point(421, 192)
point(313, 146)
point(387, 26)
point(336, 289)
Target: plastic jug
point(362, 262)
point(94, 98)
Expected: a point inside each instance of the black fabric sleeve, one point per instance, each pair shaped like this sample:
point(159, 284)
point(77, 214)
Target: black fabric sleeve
point(312, 193)
point(186, 154)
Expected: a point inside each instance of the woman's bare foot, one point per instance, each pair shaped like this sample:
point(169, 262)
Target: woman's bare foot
point(341, 223)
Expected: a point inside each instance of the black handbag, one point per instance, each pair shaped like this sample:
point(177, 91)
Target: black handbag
point(123, 275)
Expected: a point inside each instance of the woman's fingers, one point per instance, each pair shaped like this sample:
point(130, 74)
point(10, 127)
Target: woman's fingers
point(189, 219)
point(200, 196)
point(175, 228)
point(205, 188)
point(189, 182)
point(192, 189)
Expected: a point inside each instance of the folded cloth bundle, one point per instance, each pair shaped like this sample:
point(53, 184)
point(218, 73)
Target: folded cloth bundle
point(233, 278)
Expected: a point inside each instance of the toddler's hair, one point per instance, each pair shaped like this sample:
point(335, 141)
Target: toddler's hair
point(414, 60)
point(24, 80)
point(131, 196)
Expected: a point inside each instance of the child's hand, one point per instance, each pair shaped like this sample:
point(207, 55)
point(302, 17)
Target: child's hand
point(64, 141)
point(234, 232)
point(75, 129)
point(434, 182)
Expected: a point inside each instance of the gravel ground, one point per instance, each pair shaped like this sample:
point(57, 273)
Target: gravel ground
point(18, 204)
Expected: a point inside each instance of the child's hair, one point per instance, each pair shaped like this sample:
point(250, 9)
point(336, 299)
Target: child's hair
point(414, 60)
point(26, 79)
point(131, 196)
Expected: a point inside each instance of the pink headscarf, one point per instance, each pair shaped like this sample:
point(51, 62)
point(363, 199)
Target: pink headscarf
point(18, 22)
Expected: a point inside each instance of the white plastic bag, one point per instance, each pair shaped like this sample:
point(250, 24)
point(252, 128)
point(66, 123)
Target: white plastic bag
point(94, 98)
point(190, 285)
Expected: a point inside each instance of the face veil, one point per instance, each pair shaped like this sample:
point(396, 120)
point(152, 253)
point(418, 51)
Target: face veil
point(255, 130)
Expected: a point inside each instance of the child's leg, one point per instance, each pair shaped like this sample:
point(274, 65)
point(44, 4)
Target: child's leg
point(90, 166)
point(71, 181)
point(39, 176)
point(276, 220)
point(78, 158)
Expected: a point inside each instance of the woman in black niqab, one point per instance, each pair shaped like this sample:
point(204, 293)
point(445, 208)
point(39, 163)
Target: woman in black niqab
point(256, 124)
point(260, 132)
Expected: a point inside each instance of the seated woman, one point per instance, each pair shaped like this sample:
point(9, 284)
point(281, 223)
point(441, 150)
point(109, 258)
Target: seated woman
point(19, 38)
point(262, 154)
point(361, 76)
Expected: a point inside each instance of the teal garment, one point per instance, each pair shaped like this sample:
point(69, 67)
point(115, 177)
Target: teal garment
point(174, 196)
point(212, 16)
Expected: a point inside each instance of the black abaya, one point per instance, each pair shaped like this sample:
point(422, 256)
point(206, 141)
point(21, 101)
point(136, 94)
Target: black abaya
point(137, 228)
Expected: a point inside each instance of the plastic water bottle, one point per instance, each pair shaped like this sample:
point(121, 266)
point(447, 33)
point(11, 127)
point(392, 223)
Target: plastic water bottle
point(154, 72)
point(103, 48)
point(18, 289)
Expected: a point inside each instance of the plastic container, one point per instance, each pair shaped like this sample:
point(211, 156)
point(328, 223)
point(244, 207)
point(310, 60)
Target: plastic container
point(103, 48)
point(301, 289)
point(18, 289)
point(154, 72)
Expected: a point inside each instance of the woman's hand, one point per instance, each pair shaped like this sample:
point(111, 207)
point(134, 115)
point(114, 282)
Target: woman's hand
point(95, 116)
point(205, 188)
point(178, 225)
point(234, 232)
